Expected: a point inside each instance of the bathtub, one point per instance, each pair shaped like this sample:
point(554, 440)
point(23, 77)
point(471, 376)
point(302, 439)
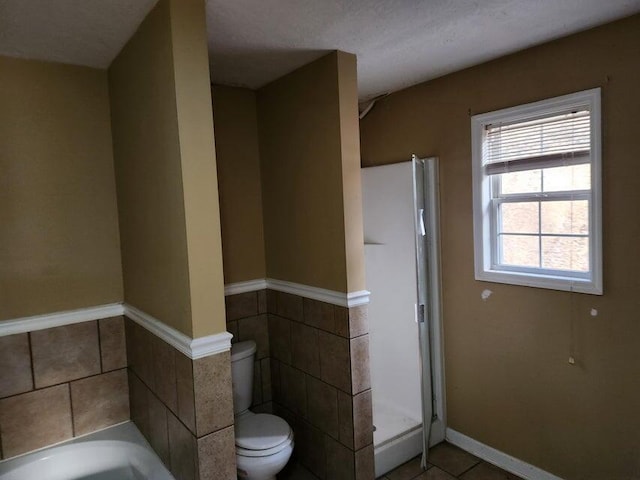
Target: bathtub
point(116, 453)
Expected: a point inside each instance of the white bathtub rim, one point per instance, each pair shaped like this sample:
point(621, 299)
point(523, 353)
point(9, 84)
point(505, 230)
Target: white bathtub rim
point(69, 441)
point(123, 438)
point(92, 457)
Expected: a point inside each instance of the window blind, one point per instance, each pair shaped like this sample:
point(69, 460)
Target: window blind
point(551, 141)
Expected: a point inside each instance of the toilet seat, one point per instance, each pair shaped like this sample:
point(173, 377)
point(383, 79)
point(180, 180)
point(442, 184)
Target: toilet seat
point(242, 452)
point(261, 435)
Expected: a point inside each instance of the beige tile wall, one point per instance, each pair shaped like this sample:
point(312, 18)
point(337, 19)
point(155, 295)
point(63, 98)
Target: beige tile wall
point(321, 383)
point(183, 407)
point(312, 368)
point(247, 320)
point(68, 381)
point(61, 382)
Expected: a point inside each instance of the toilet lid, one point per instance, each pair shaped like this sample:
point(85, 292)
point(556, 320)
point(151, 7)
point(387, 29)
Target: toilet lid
point(261, 431)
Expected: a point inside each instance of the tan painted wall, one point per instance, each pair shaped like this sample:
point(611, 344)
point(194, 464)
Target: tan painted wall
point(165, 171)
point(509, 383)
point(59, 247)
point(301, 131)
point(238, 160)
point(198, 157)
point(351, 181)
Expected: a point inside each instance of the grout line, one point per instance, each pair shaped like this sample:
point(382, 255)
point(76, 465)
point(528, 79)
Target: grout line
point(73, 427)
point(348, 337)
point(33, 376)
point(65, 382)
point(255, 295)
point(357, 336)
point(321, 380)
point(99, 345)
point(167, 409)
point(193, 397)
point(471, 467)
point(238, 325)
point(431, 465)
point(31, 362)
point(175, 383)
point(258, 367)
point(166, 423)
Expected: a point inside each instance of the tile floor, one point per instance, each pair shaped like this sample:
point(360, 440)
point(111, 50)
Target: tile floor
point(295, 471)
point(446, 462)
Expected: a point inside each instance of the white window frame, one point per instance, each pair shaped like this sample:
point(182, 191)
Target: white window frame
point(485, 239)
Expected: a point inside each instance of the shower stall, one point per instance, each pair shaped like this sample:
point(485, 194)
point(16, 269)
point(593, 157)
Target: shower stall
point(400, 205)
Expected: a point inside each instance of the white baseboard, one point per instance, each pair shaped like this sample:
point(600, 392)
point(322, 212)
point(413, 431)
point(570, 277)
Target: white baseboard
point(498, 458)
point(352, 299)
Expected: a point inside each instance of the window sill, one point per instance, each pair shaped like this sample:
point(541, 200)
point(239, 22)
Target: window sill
point(567, 284)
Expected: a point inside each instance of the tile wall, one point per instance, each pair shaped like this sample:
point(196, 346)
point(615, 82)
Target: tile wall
point(183, 407)
point(312, 368)
point(61, 382)
point(247, 320)
point(318, 356)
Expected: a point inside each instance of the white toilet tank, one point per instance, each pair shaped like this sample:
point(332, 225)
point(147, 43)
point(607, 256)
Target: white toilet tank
point(242, 357)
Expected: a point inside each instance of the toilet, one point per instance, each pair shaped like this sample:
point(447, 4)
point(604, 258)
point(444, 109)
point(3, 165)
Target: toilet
point(263, 442)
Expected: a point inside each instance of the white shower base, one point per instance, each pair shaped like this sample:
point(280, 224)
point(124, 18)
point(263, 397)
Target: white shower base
point(397, 438)
point(391, 423)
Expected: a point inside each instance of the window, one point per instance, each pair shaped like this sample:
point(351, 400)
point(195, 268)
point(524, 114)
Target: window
point(536, 194)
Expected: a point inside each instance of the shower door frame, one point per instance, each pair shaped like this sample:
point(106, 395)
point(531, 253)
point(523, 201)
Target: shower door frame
point(426, 195)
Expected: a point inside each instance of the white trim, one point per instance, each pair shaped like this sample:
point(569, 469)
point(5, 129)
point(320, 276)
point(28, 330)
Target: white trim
point(393, 453)
point(496, 457)
point(58, 319)
point(352, 299)
point(193, 348)
point(355, 299)
point(341, 299)
point(484, 242)
point(244, 287)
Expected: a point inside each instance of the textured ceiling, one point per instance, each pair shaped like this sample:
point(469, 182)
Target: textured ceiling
point(398, 42)
point(80, 32)
point(252, 42)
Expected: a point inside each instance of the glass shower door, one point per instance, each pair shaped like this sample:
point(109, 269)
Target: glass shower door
point(428, 314)
point(396, 336)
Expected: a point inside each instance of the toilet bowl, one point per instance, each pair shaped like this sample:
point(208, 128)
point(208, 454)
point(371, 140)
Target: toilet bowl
point(263, 445)
point(264, 442)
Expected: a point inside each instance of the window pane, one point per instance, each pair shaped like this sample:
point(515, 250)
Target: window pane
point(565, 253)
point(520, 182)
point(575, 177)
point(521, 217)
point(520, 250)
point(565, 217)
